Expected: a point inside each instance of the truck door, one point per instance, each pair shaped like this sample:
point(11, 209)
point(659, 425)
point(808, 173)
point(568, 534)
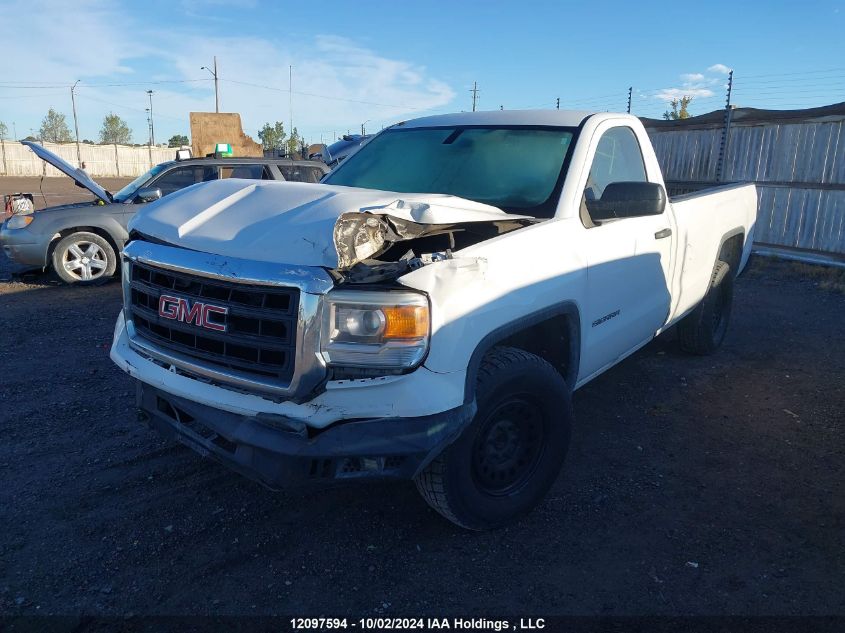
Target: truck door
point(628, 259)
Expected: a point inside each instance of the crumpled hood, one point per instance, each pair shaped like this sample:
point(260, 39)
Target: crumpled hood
point(287, 222)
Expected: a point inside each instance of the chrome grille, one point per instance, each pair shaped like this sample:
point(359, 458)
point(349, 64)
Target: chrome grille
point(260, 337)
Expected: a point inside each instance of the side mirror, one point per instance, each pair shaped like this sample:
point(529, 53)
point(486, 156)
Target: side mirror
point(148, 194)
point(628, 200)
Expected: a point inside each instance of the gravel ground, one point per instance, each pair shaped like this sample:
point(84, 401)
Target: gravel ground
point(55, 190)
point(693, 486)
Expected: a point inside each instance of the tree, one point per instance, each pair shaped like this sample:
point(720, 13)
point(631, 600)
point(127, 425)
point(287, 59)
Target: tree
point(294, 142)
point(3, 130)
point(178, 140)
point(679, 109)
point(273, 136)
point(54, 128)
point(115, 131)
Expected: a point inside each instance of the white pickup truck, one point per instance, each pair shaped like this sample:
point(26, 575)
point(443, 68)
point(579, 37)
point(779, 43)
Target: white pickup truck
point(428, 309)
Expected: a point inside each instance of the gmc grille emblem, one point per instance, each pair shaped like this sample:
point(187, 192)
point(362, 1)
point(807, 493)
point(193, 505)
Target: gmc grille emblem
point(197, 313)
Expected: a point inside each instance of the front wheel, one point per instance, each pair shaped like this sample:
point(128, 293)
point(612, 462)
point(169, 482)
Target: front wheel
point(84, 258)
point(511, 453)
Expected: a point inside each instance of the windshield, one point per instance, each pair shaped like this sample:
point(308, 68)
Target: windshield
point(128, 192)
point(516, 169)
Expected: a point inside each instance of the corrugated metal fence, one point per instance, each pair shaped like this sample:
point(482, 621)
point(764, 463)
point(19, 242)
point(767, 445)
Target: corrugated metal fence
point(100, 160)
point(796, 158)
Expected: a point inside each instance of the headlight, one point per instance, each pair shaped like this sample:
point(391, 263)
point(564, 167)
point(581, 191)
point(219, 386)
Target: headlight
point(19, 221)
point(372, 329)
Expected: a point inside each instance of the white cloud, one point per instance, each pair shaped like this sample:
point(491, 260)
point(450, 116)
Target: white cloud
point(694, 84)
point(338, 83)
point(667, 94)
point(719, 68)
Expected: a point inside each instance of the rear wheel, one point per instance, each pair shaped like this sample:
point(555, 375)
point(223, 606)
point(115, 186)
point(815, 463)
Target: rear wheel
point(703, 330)
point(84, 258)
point(511, 453)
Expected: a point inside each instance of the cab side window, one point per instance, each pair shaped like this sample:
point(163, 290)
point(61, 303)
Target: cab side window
point(305, 173)
point(618, 159)
point(182, 177)
point(250, 172)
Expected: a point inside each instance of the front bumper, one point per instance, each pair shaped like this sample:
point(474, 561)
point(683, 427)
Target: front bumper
point(24, 248)
point(278, 451)
point(419, 394)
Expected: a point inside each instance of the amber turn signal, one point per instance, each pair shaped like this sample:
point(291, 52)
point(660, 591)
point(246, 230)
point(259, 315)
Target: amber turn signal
point(403, 322)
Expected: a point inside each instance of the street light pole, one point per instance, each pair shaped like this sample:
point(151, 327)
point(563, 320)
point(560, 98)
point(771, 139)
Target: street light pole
point(152, 124)
point(216, 93)
point(290, 100)
point(75, 124)
point(149, 135)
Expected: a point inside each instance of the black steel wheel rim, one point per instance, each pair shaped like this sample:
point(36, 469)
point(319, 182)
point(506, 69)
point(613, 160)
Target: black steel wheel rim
point(509, 446)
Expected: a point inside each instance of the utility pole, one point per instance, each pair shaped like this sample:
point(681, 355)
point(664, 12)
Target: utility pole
point(150, 135)
point(3, 145)
point(290, 99)
point(557, 105)
point(15, 131)
point(75, 124)
point(726, 130)
point(152, 124)
point(630, 92)
point(216, 93)
point(363, 130)
point(474, 92)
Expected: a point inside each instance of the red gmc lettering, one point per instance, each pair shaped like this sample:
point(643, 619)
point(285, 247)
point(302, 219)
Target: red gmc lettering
point(190, 313)
point(200, 314)
point(208, 323)
point(168, 307)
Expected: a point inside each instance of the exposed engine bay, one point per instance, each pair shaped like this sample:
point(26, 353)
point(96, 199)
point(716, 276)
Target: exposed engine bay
point(376, 247)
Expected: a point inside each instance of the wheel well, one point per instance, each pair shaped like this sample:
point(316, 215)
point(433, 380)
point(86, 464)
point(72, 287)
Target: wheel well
point(79, 229)
point(731, 252)
point(553, 335)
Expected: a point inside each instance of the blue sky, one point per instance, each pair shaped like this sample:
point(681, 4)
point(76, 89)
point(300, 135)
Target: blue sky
point(384, 61)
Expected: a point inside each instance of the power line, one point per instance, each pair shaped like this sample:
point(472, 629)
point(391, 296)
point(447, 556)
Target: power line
point(319, 96)
point(799, 72)
point(29, 86)
point(126, 107)
point(38, 96)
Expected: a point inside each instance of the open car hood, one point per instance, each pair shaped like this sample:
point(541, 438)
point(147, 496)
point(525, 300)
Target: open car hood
point(304, 224)
point(79, 177)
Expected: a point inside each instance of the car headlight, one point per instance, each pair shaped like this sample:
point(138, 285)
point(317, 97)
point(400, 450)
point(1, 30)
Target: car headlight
point(19, 221)
point(373, 329)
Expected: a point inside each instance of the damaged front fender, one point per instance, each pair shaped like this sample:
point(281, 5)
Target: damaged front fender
point(364, 239)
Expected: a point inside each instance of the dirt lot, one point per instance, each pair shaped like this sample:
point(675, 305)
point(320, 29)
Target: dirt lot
point(693, 486)
point(56, 190)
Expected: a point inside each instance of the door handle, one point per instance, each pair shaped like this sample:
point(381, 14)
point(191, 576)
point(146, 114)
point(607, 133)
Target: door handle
point(662, 233)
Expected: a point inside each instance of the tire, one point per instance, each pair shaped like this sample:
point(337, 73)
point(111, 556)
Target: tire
point(509, 456)
point(703, 330)
point(84, 259)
